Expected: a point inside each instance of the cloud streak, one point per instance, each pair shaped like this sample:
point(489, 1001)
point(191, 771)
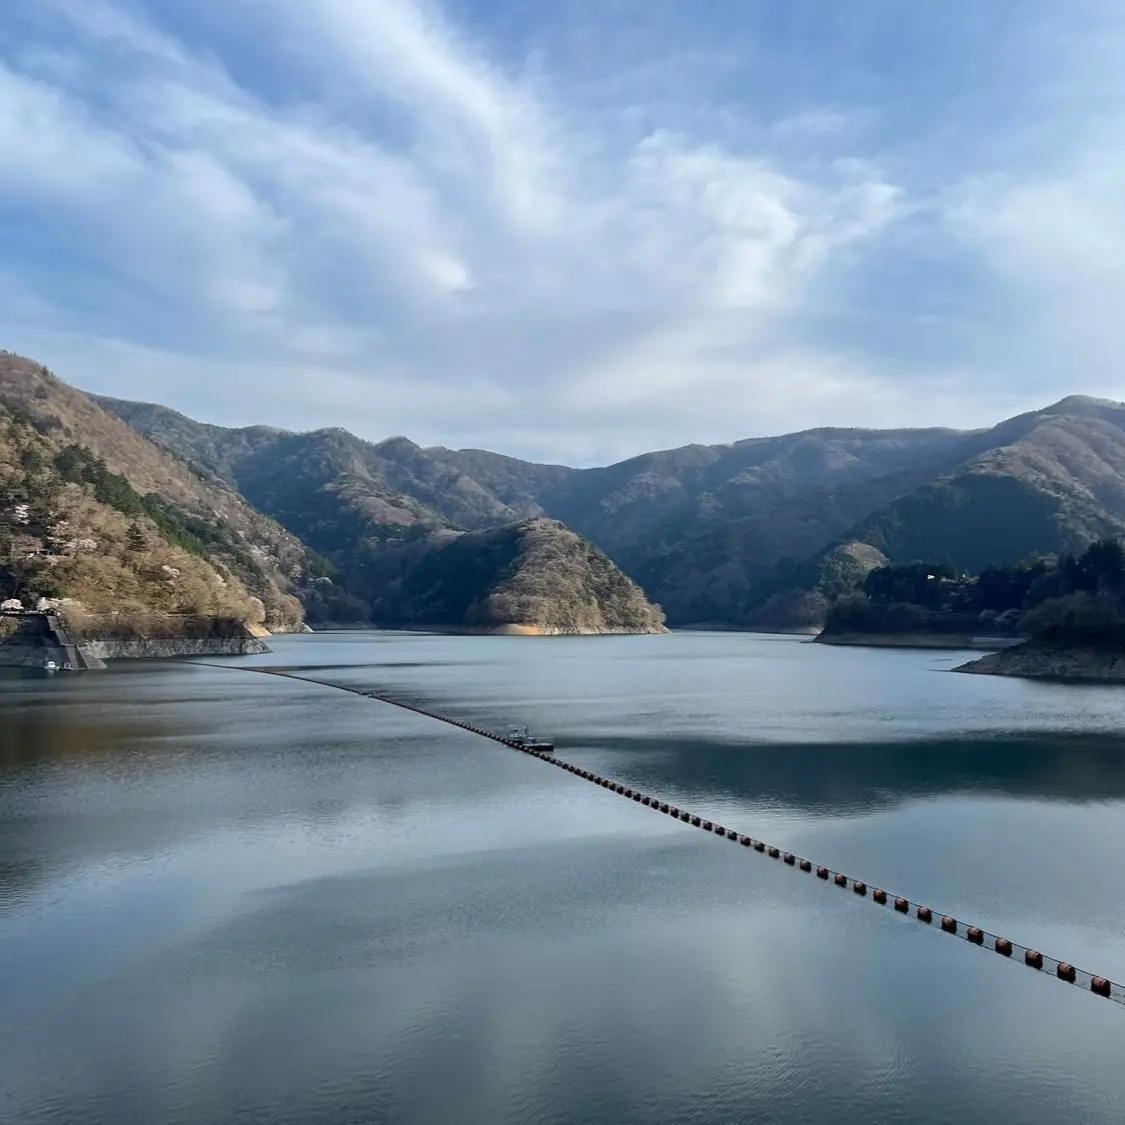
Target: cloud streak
point(373, 213)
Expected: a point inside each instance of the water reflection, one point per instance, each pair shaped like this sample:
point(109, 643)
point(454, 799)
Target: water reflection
point(229, 897)
point(852, 778)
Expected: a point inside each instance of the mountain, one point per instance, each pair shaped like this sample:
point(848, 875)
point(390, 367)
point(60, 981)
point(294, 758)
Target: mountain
point(403, 484)
point(698, 527)
point(1057, 486)
point(729, 534)
point(417, 539)
point(535, 576)
point(91, 510)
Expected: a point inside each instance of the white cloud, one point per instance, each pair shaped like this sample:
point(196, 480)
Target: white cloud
point(421, 236)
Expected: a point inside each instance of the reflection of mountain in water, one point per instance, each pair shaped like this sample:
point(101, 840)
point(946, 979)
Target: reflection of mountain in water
point(851, 778)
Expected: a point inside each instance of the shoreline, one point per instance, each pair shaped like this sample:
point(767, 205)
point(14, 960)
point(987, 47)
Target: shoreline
point(41, 640)
point(1034, 660)
point(721, 627)
point(508, 630)
point(898, 640)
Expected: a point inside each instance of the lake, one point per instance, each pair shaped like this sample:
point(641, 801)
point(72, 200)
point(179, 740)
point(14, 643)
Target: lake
point(231, 897)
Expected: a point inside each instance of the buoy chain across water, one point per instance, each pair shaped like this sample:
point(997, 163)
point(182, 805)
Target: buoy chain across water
point(975, 935)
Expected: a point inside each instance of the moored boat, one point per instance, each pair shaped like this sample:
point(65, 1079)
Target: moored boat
point(519, 736)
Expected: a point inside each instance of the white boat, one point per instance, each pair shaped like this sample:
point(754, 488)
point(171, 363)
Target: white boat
point(50, 666)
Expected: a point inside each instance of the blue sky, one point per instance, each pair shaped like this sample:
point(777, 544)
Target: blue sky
point(571, 230)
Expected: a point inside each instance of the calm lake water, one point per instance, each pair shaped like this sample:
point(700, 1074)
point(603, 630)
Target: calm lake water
point(235, 898)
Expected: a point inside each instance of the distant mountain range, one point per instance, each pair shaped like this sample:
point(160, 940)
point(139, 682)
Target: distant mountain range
point(758, 533)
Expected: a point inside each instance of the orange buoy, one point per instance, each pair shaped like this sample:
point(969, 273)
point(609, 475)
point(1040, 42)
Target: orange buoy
point(975, 934)
point(880, 897)
point(696, 822)
point(805, 865)
point(859, 888)
point(902, 905)
point(790, 859)
point(1066, 972)
point(1101, 986)
point(759, 846)
point(949, 925)
point(775, 853)
point(925, 914)
point(822, 872)
point(841, 880)
point(1003, 947)
point(1033, 958)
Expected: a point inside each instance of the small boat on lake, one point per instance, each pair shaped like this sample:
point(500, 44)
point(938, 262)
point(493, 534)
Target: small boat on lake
point(520, 737)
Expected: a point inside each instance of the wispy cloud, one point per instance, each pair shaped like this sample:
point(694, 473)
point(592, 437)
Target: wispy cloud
point(363, 212)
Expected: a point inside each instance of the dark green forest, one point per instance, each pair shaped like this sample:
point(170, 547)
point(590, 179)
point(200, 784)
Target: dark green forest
point(1070, 597)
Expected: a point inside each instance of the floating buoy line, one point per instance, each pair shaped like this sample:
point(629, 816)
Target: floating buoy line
point(974, 935)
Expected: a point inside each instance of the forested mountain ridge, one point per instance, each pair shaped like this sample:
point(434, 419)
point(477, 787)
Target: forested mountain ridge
point(727, 534)
point(91, 510)
point(535, 575)
point(95, 512)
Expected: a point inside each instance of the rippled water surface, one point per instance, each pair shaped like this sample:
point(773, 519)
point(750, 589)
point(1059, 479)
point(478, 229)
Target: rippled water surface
point(228, 897)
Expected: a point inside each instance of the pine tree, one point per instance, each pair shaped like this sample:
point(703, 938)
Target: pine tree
point(135, 537)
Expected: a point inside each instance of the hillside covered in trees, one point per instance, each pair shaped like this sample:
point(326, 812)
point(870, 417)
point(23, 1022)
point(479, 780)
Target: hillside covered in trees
point(759, 533)
point(73, 528)
point(536, 576)
point(95, 514)
point(762, 533)
point(1069, 599)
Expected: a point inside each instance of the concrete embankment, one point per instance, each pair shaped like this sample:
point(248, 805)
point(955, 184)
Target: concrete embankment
point(152, 648)
point(38, 640)
point(1039, 661)
point(41, 640)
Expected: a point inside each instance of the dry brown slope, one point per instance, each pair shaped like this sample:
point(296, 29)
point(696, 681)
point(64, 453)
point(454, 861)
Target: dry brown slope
point(279, 559)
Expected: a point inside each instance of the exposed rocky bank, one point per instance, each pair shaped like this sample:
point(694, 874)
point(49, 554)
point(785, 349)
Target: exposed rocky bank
point(898, 640)
point(1042, 661)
